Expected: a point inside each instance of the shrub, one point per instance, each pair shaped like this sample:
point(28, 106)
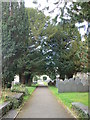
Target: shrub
point(20, 89)
point(14, 102)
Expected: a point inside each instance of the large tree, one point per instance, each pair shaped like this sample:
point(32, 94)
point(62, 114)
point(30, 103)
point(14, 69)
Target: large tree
point(14, 37)
point(33, 61)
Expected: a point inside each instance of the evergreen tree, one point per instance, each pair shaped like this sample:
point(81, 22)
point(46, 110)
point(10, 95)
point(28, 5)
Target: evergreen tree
point(14, 37)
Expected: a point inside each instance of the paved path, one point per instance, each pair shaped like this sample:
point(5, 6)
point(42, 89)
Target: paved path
point(43, 104)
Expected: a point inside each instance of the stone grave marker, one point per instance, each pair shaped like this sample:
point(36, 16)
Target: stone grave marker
point(80, 87)
point(77, 80)
point(12, 85)
point(60, 86)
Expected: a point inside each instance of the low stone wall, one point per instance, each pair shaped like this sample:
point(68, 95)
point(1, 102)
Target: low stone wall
point(81, 110)
point(13, 102)
point(72, 85)
point(4, 108)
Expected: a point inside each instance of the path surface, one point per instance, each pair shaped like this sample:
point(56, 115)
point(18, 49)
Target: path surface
point(43, 104)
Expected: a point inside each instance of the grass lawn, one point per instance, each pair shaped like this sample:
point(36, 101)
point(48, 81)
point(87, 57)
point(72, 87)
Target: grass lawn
point(34, 85)
point(68, 98)
point(30, 89)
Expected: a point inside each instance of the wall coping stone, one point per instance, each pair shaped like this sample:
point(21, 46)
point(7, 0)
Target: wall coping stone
point(4, 104)
point(82, 107)
point(18, 95)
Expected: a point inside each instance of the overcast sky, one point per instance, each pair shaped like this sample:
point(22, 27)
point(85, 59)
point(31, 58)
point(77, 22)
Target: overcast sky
point(29, 3)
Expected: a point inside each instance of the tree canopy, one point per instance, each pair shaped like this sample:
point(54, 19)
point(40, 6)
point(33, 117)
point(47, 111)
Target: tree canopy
point(33, 44)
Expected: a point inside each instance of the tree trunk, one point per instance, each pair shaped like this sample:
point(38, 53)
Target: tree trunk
point(22, 79)
point(29, 80)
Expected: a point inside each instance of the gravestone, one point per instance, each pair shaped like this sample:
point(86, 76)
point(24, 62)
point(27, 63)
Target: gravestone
point(12, 85)
point(71, 79)
point(72, 85)
point(16, 79)
point(57, 82)
point(77, 80)
point(84, 81)
point(66, 87)
point(80, 87)
point(86, 88)
point(65, 81)
point(60, 87)
point(83, 77)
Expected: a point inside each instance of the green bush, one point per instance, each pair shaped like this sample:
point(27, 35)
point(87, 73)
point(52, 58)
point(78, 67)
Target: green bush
point(20, 89)
point(14, 102)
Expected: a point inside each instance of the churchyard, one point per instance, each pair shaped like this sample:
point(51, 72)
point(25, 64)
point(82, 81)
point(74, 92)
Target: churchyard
point(19, 94)
point(44, 53)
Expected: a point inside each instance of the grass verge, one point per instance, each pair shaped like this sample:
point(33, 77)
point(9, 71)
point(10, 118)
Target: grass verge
point(30, 90)
point(68, 98)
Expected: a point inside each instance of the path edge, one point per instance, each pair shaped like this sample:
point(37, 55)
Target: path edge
point(21, 106)
point(65, 107)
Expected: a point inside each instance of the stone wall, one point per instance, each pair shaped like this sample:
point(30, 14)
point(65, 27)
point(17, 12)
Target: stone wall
point(72, 85)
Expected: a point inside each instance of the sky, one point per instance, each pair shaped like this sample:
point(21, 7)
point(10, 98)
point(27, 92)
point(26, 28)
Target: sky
point(29, 3)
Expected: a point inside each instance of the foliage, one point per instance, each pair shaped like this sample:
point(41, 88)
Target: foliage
point(44, 78)
point(14, 102)
point(20, 89)
point(62, 45)
point(79, 11)
point(30, 63)
point(14, 37)
point(32, 44)
point(30, 90)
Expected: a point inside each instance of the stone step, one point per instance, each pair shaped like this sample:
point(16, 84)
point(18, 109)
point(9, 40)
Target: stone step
point(11, 114)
